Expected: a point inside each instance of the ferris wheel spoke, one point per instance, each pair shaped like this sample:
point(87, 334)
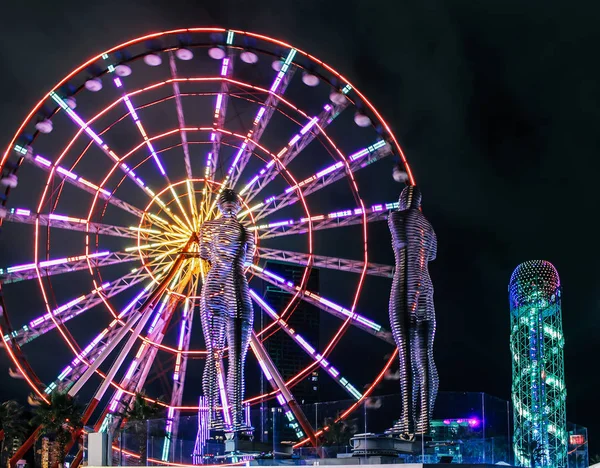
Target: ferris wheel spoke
point(325, 221)
point(110, 153)
point(21, 215)
point(220, 112)
point(79, 182)
point(95, 348)
point(296, 145)
point(180, 116)
point(284, 397)
point(43, 324)
point(306, 347)
point(134, 379)
point(159, 164)
point(325, 305)
point(321, 261)
point(262, 119)
point(133, 114)
point(183, 345)
point(59, 266)
point(140, 315)
point(324, 177)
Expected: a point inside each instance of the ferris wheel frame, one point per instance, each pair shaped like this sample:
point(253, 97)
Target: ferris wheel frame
point(277, 162)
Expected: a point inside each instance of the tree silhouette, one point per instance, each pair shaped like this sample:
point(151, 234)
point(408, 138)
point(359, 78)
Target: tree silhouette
point(59, 420)
point(14, 425)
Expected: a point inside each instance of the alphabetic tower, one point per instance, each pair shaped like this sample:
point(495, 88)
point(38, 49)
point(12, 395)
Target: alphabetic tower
point(538, 381)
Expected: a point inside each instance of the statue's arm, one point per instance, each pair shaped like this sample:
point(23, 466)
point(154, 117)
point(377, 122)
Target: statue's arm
point(250, 245)
point(205, 239)
point(433, 252)
point(396, 221)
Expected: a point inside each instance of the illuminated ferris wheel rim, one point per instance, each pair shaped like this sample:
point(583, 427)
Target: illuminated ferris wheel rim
point(97, 198)
point(209, 30)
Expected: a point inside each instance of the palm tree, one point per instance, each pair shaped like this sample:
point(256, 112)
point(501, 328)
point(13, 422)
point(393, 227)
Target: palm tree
point(59, 420)
point(136, 418)
point(14, 426)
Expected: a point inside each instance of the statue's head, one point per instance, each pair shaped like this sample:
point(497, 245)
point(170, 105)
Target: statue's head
point(228, 202)
point(410, 198)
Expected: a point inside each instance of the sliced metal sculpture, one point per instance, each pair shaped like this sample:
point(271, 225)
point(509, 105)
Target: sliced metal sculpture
point(226, 308)
point(412, 314)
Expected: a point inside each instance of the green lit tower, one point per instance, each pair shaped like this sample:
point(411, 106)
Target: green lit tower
point(538, 380)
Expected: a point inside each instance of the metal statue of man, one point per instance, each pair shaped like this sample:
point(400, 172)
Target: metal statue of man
point(226, 308)
point(412, 314)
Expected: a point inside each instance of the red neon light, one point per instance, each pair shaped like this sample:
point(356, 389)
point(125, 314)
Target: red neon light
point(344, 326)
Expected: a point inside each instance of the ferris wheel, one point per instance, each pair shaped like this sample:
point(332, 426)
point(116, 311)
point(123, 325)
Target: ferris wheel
point(115, 169)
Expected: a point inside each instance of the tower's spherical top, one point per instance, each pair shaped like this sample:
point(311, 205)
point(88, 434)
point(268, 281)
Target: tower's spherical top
point(531, 280)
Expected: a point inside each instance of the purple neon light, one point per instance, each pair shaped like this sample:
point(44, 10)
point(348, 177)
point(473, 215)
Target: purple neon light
point(353, 315)
point(47, 263)
point(43, 161)
point(259, 115)
point(309, 125)
point(137, 121)
point(238, 156)
point(76, 118)
point(218, 105)
point(283, 71)
point(225, 66)
point(224, 402)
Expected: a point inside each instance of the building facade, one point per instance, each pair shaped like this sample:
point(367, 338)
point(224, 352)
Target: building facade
point(538, 383)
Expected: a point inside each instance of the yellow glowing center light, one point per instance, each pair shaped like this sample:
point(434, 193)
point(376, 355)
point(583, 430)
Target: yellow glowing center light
point(173, 216)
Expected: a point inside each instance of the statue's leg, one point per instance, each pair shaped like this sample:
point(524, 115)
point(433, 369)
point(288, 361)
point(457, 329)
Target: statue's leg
point(399, 317)
point(419, 346)
point(213, 327)
point(433, 375)
point(239, 329)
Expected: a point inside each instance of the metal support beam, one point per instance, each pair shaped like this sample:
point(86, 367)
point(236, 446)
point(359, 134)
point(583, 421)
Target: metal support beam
point(325, 177)
point(321, 261)
point(326, 305)
point(270, 171)
point(43, 324)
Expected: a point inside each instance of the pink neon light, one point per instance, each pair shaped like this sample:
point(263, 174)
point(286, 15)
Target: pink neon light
point(58, 217)
point(330, 169)
point(309, 125)
point(65, 172)
point(43, 161)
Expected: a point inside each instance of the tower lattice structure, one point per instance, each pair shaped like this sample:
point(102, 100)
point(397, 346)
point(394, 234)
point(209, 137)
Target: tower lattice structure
point(538, 381)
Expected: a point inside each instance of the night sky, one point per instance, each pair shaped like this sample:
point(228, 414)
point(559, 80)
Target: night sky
point(495, 103)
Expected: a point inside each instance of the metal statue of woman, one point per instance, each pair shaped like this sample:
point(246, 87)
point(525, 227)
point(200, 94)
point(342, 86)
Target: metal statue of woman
point(412, 314)
point(226, 308)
